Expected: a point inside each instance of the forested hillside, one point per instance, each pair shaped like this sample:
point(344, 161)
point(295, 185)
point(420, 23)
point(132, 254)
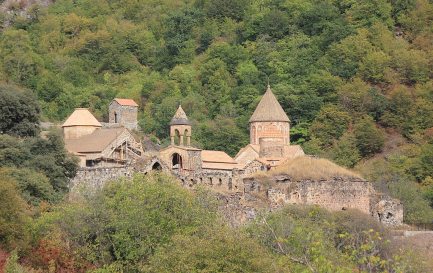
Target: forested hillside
point(355, 77)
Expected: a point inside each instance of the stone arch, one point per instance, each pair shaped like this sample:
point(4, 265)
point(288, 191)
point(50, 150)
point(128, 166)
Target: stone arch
point(176, 160)
point(156, 166)
point(177, 136)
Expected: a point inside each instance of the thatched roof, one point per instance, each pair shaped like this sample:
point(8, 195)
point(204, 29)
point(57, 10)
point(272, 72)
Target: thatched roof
point(269, 109)
point(81, 117)
point(180, 118)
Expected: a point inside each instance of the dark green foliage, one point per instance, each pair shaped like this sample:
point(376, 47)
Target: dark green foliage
point(47, 156)
point(19, 111)
point(369, 138)
point(330, 124)
point(345, 152)
point(34, 186)
point(225, 136)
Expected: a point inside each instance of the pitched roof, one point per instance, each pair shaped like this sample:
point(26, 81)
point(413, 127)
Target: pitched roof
point(216, 156)
point(180, 117)
point(219, 166)
point(81, 117)
point(96, 142)
point(126, 102)
point(269, 109)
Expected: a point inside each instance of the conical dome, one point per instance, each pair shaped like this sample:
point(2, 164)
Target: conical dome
point(269, 109)
point(180, 118)
point(81, 117)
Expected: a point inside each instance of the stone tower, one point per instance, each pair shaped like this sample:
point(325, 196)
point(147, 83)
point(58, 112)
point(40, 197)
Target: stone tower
point(123, 112)
point(269, 123)
point(180, 127)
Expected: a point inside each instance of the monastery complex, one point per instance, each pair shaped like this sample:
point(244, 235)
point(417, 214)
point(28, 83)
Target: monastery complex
point(111, 150)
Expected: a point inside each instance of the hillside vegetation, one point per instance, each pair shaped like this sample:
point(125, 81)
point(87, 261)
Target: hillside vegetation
point(350, 74)
point(353, 76)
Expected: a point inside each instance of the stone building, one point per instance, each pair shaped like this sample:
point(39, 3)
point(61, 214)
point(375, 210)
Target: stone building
point(269, 134)
point(97, 145)
point(80, 123)
point(193, 165)
point(124, 113)
point(109, 151)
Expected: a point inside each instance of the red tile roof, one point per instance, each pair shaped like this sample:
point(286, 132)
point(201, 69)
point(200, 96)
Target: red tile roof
point(126, 102)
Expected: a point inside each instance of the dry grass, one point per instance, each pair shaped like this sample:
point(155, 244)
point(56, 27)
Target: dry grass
point(305, 167)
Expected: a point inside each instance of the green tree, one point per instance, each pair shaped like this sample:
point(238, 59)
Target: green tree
point(13, 215)
point(330, 124)
point(19, 113)
point(215, 249)
point(345, 152)
point(369, 138)
point(126, 222)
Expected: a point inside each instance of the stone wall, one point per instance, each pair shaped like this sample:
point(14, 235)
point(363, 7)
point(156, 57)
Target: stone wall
point(123, 115)
point(91, 179)
point(334, 194)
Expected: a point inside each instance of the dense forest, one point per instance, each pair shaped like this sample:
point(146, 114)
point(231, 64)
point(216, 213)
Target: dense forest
point(355, 78)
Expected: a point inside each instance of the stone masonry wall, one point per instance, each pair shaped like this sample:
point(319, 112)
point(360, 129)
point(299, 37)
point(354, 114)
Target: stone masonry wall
point(95, 178)
point(126, 115)
point(333, 194)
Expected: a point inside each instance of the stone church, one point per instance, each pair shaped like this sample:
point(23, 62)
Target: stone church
point(111, 150)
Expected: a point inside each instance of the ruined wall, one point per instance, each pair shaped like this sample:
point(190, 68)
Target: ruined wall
point(334, 194)
point(220, 180)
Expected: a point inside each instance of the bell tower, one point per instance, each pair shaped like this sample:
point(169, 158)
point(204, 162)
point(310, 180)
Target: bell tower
point(180, 129)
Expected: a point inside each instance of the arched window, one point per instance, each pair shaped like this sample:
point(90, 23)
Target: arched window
point(176, 161)
point(115, 118)
point(253, 134)
point(176, 137)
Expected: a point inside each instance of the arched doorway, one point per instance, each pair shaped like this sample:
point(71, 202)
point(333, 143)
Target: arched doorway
point(156, 166)
point(176, 161)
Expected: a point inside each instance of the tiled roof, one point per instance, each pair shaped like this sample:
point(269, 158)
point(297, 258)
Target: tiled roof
point(81, 117)
point(216, 156)
point(219, 166)
point(126, 102)
point(96, 142)
point(269, 109)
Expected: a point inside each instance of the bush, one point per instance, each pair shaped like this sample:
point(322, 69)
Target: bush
point(126, 222)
